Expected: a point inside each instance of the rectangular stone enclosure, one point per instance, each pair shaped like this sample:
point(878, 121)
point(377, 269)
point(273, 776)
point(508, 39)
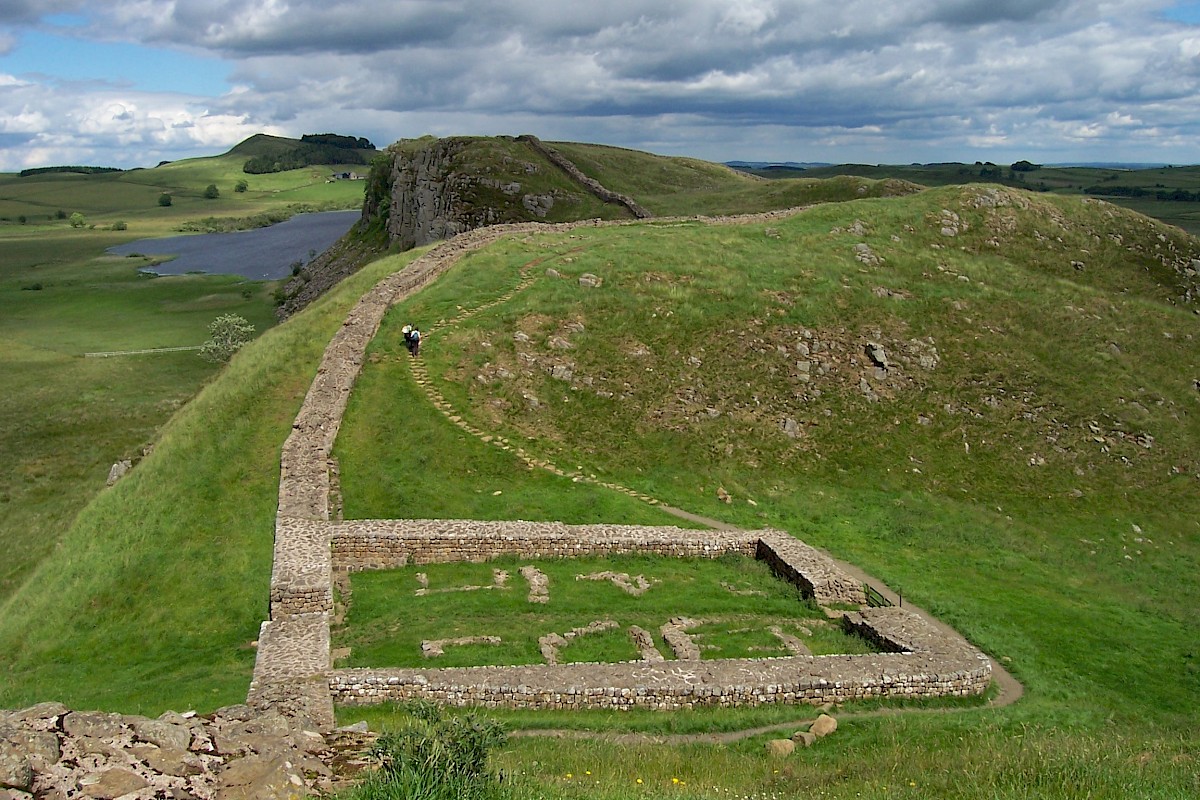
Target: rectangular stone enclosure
point(919, 660)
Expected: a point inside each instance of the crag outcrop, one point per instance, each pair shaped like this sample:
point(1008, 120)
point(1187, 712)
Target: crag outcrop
point(443, 187)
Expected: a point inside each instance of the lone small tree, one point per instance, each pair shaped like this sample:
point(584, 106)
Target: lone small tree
point(78, 220)
point(164, 199)
point(229, 332)
point(241, 186)
point(211, 192)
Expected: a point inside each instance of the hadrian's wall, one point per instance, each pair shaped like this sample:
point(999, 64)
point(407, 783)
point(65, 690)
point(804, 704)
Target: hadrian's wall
point(293, 669)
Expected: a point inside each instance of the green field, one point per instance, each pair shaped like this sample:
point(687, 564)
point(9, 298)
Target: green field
point(1026, 468)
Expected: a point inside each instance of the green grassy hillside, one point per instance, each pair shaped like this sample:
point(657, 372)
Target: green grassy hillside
point(1026, 467)
point(132, 196)
point(985, 397)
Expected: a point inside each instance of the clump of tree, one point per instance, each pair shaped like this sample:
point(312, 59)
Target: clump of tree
point(78, 220)
point(164, 199)
point(228, 333)
point(241, 186)
point(25, 173)
point(314, 148)
point(211, 192)
point(337, 140)
point(1171, 196)
point(1025, 166)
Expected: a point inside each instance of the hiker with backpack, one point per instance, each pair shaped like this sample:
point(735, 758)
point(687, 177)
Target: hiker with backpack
point(412, 340)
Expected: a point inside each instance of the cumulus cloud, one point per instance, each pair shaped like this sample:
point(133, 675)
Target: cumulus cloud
point(42, 125)
point(798, 79)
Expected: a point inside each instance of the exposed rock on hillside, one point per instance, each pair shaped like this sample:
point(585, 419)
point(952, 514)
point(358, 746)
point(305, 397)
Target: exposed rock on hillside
point(50, 751)
point(442, 187)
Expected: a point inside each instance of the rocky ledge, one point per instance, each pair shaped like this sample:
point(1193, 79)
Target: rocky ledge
point(50, 752)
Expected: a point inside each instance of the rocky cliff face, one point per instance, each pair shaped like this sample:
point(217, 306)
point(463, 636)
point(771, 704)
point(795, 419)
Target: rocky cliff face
point(447, 186)
point(421, 192)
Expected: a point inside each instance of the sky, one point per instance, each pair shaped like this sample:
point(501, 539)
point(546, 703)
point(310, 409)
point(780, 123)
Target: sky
point(135, 82)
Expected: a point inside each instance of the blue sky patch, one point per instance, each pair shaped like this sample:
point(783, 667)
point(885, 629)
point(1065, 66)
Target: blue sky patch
point(149, 69)
point(1184, 12)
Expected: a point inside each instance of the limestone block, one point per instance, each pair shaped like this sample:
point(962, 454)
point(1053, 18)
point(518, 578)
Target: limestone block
point(823, 726)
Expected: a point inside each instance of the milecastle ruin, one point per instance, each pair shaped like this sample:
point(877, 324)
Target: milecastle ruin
point(294, 670)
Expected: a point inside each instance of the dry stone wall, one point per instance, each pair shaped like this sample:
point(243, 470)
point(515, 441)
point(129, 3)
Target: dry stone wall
point(592, 185)
point(381, 544)
point(301, 579)
point(293, 671)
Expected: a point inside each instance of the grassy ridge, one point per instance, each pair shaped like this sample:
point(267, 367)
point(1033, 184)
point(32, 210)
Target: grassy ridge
point(686, 186)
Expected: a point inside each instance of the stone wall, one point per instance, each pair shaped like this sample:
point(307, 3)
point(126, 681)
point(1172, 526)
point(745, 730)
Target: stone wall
point(380, 544)
point(292, 656)
point(591, 184)
point(806, 567)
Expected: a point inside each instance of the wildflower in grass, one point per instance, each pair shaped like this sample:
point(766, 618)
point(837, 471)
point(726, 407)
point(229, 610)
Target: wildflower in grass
point(639, 781)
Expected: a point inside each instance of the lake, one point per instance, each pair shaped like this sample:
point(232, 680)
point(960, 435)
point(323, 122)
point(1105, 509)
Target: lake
point(261, 254)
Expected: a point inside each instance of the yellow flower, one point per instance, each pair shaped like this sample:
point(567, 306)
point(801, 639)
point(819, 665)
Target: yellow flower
point(674, 780)
point(639, 780)
point(569, 776)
